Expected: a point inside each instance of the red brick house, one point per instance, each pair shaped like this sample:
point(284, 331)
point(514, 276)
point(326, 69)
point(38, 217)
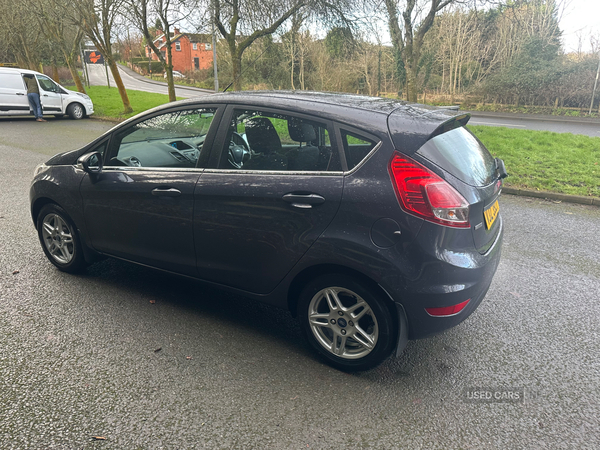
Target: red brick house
point(190, 51)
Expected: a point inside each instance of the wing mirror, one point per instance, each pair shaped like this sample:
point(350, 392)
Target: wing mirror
point(91, 163)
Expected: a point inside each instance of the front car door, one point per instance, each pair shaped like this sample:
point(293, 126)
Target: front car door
point(273, 185)
point(140, 207)
point(50, 96)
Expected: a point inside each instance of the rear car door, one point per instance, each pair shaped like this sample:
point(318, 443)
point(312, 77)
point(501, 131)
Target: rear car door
point(274, 184)
point(13, 94)
point(140, 207)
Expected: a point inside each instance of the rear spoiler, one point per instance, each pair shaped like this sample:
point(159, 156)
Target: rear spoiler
point(450, 124)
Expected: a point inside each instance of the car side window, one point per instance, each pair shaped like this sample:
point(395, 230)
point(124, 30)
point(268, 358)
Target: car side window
point(259, 140)
point(171, 140)
point(356, 147)
point(47, 84)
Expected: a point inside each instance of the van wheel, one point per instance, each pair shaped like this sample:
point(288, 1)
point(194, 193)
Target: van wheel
point(75, 111)
point(346, 322)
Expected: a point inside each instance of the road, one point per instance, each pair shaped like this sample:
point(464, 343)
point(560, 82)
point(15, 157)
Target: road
point(152, 361)
point(541, 123)
point(135, 82)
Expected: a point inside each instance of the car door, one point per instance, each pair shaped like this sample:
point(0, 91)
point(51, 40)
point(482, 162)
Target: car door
point(13, 94)
point(274, 184)
point(50, 96)
point(140, 207)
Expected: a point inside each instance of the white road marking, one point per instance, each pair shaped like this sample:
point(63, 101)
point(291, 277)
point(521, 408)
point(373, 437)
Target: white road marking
point(477, 122)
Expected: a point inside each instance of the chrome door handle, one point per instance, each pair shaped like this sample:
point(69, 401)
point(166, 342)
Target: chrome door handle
point(168, 192)
point(311, 199)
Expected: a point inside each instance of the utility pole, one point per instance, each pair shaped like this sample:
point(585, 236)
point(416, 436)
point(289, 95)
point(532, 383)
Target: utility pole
point(214, 49)
point(595, 85)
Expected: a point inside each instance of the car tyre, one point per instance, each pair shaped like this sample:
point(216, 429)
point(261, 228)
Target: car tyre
point(59, 239)
point(75, 111)
point(347, 322)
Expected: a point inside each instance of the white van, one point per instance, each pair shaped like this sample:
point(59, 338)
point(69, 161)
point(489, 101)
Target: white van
point(55, 99)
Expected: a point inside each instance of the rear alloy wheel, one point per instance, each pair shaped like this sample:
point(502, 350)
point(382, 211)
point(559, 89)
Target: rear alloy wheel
point(348, 324)
point(59, 239)
point(75, 111)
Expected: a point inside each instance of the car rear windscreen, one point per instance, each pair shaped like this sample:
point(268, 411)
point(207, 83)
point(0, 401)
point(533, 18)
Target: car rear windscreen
point(461, 154)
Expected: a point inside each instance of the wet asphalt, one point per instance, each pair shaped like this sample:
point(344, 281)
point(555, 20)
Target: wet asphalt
point(145, 360)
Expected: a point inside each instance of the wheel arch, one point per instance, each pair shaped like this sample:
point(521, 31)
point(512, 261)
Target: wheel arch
point(303, 277)
point(37, 206)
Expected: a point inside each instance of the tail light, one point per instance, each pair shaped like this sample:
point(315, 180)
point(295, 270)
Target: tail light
point(424, 194)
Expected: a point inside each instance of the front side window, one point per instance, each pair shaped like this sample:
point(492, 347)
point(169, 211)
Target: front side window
point(271, 141)
point(47, 84)
point(171, 140)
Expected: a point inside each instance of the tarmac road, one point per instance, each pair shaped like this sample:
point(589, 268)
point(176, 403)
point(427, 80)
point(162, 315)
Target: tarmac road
point(136, 82)
point(152, 361)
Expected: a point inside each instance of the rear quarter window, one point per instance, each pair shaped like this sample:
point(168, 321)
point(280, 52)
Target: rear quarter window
point(11, 81)
point(462, 155)
point(356, 147)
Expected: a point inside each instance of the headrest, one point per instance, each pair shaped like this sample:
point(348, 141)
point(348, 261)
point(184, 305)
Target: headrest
point(301, 131)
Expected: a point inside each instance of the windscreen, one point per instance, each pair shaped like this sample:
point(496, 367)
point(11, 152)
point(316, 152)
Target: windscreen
point(461, 154)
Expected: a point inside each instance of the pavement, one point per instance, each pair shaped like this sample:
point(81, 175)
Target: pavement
point(124, 357)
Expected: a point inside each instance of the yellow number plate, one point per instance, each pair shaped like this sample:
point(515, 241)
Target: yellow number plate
point(491, 213)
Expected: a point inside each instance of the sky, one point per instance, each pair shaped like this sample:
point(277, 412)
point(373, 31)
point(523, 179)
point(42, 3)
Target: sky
point(580, 17)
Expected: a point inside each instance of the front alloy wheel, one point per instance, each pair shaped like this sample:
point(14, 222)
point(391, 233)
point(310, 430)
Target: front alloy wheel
point(347, 322)
point(59, 239)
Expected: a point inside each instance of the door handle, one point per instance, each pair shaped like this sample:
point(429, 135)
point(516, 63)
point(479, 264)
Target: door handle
point(304, 201)
point(20, 93)
point(166, 192)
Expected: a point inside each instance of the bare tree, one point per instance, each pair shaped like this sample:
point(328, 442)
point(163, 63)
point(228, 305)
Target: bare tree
point(56, 28)
point(97, 18)
point(168, 14)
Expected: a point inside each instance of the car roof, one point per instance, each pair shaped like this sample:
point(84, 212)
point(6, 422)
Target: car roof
point(17, 70)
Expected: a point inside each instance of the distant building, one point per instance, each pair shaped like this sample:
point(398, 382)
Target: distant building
point(190, 51)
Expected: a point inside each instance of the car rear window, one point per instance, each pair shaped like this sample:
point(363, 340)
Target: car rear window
point(461, 154)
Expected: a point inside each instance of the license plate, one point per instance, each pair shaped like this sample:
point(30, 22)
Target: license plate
point(491, 213)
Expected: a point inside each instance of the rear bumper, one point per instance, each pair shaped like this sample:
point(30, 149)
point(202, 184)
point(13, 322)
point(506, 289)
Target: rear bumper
point(446, 281)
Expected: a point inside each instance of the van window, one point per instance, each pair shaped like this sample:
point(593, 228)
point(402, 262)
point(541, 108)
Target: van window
point(12, 81)
point(47, 84)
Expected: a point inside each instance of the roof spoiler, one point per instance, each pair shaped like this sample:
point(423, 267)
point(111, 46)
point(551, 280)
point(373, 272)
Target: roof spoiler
point(450, 124)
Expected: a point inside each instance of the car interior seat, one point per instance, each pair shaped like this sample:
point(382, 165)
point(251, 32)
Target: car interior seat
point(265, 143)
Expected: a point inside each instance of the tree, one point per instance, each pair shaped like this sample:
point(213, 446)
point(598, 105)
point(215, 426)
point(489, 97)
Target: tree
point(59, 31)
point(97, 19)
point(168, 13)
point(260, 18)
point(417, 19)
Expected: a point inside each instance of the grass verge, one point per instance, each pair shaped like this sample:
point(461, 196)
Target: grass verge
point(545, 161)
point(108, 104)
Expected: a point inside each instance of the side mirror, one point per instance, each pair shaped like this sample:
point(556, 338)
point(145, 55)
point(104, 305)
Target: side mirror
point(91, 163)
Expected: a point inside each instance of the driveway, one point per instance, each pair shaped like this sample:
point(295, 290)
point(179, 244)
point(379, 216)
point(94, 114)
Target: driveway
point(146, 360)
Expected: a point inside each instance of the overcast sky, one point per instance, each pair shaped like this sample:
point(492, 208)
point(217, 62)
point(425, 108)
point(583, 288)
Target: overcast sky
point(580, 17)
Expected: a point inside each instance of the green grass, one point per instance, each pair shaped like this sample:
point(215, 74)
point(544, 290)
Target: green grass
point(546, 161)
point(108, 103)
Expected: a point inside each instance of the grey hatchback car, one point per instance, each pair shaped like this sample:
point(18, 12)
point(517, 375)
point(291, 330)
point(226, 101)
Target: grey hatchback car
point(373, 221)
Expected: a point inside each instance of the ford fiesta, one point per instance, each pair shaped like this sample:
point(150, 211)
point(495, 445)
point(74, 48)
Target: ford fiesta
point(373, 221)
